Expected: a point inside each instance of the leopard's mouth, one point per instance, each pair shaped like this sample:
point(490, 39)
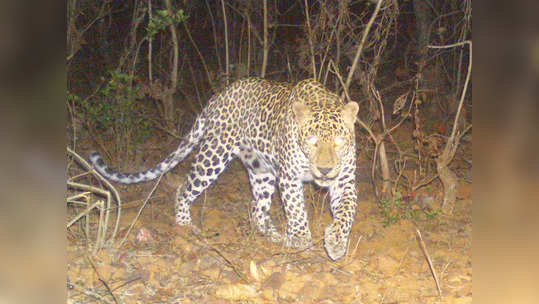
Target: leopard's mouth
point(323, 181)
point(327, 177)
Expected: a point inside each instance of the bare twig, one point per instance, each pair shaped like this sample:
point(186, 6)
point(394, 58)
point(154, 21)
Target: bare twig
point(327, 50)
point(198, 52)
point(101, 279)
point(252, 26)
point(400, 171)
point(127, 282)
point(88, 293)
point(193, 77)
point(360, 47)
point(424, 183)
point(465, 88)
point(465, 131)
point(140, 210)
point(71, 30)
point(429, 261)
point(213, 28)
point(138, 16)
point(464, 32)
point(74, 34)
point(363, 124)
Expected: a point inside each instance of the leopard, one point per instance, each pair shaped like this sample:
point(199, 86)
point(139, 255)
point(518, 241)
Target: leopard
point(285, 135)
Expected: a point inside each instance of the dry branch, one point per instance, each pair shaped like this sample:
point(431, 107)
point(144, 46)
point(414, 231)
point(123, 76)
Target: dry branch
point(465, 88)
point(447, 176)
point(98, 191)
point(360, 47)
point(99, 205)
point(361, 122)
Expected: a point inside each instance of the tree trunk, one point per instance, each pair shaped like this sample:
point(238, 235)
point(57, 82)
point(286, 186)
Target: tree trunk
point(384, 169)
point(422, 21)
point(227, 58)
point(168, 101)
point(449, 181)
point(266, 46)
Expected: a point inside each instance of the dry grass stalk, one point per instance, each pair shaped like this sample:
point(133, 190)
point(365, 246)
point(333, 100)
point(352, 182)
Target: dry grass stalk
point(350, 254)
point(423, 247)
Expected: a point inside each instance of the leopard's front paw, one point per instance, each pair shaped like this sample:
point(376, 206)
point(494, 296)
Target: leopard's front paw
point(299, 241)
point(334, 242)
point(275, 237)
point(183, 220)
point(270, 232)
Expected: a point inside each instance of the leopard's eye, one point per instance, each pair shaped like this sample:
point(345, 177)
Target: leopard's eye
point(339, 141)
point(312, 140)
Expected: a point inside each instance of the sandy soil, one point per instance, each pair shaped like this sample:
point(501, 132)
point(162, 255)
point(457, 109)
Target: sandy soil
point(231, 262)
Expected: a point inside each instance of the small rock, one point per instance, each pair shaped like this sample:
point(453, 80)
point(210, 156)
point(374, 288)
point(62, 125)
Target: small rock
point(144, 235)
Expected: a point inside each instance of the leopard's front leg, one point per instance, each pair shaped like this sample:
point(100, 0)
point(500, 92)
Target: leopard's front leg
point(343, 207)
point(298, 233)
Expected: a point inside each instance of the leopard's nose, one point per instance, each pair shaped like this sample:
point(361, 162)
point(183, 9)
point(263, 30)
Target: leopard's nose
point(324, 170)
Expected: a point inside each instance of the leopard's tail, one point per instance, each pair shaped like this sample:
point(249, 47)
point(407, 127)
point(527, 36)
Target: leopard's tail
point(174, 158)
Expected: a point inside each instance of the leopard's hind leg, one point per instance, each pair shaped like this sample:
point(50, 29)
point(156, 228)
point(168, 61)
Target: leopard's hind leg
point(211, 160)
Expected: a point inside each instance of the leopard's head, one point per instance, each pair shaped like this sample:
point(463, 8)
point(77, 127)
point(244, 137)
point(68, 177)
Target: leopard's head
point(326, 136)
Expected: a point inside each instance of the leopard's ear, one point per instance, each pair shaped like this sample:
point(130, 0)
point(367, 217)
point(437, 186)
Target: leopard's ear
point(349, 112)
point(301, 112)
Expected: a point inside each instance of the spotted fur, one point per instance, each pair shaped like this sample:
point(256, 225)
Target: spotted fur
point(285, 135)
